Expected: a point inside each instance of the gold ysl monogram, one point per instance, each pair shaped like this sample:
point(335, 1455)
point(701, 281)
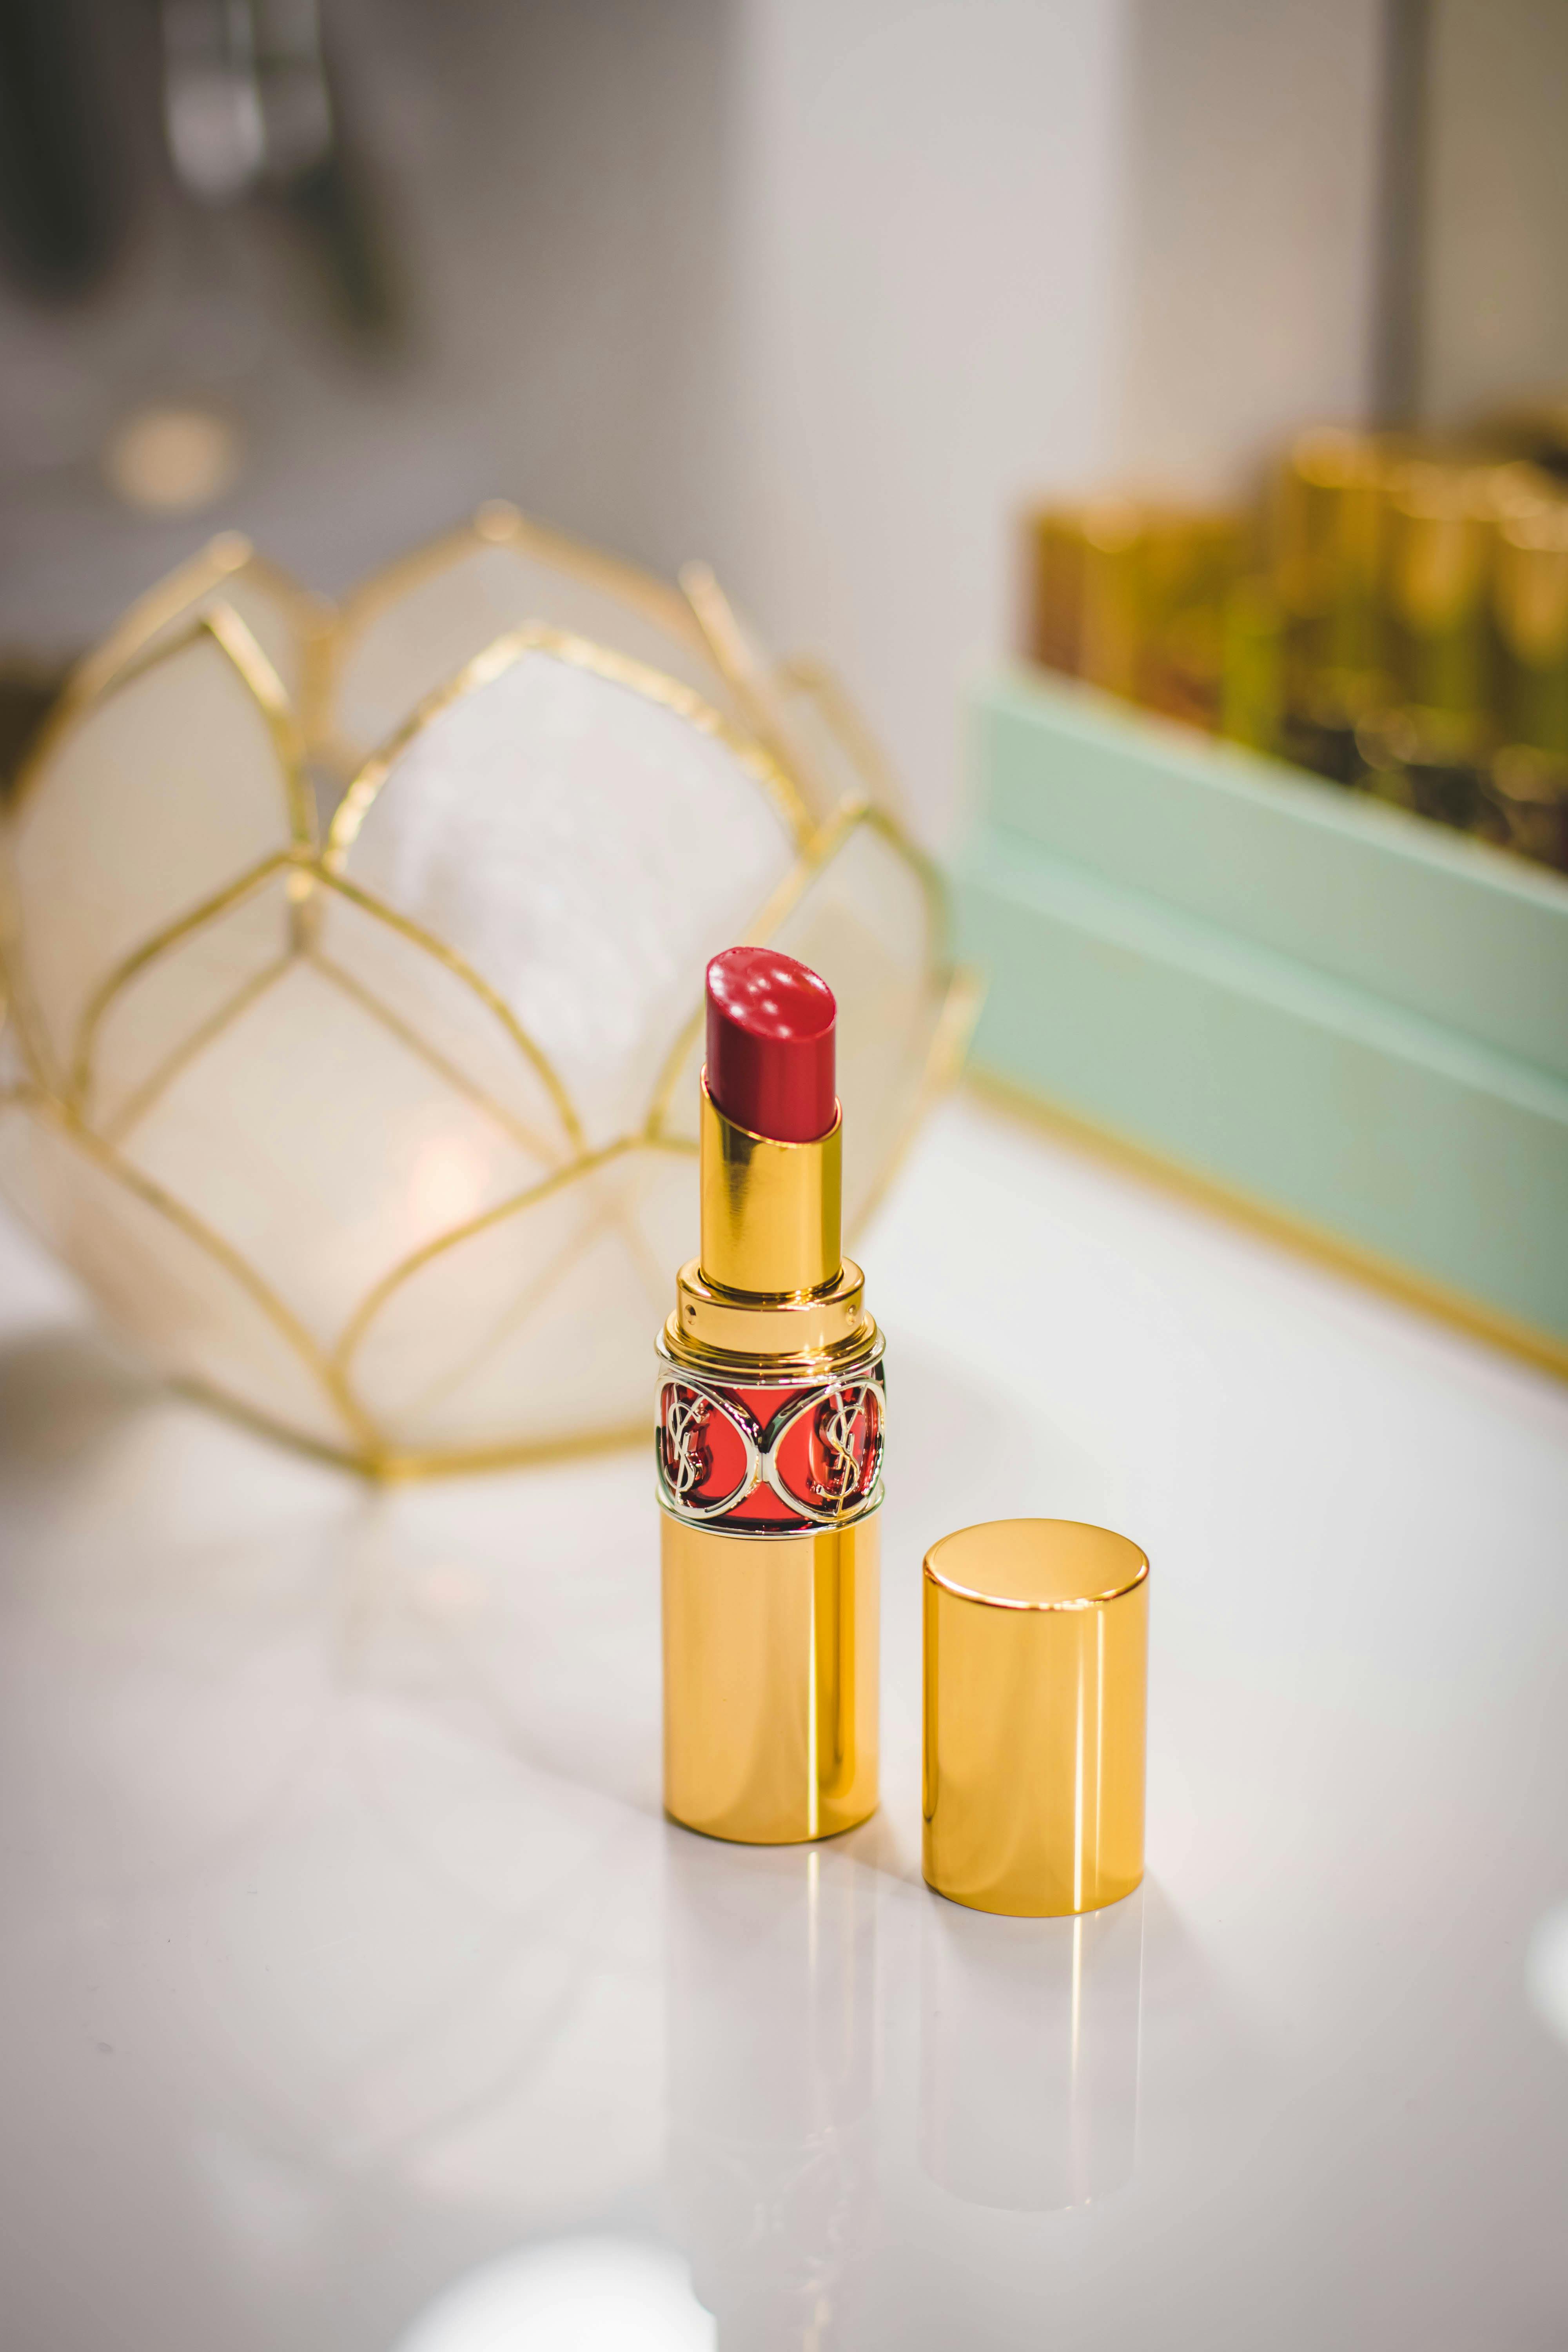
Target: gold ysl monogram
point(835, 1418)
point(687, 1460)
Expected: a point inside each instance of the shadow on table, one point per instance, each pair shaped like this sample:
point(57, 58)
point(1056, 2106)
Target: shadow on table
point(61, 1392)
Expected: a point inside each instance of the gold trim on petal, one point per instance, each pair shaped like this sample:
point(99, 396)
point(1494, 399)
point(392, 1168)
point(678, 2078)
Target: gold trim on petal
point(590, 1164)
point(579, 653)
point(945, 1057)
point(499, 523)
point(100, 671)
point(817, 680)
point(938, 907)
point(222, 623)
point(136, 1107)
point(445, 1070)
point(95, 676)
point(392, 1469)
point(324, 640)
point(196, 1231)
point(537, 1059)
point(545, 1280)
point(235, 640)
point(355, 805)
point(262, 684)
point(183, 926)
point(27, 1020)
point(759, 689)
point(675, 1061)
point(730, 650)
point(375, 1299)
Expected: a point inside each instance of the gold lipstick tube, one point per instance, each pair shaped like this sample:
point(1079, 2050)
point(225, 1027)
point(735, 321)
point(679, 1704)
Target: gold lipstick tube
point(768, 1452)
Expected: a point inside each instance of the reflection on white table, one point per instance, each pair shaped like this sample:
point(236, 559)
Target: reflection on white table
point(584, 2294)
point(357, 1998)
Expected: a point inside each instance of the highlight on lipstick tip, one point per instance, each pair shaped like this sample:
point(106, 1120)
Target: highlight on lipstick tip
point(771, 1029)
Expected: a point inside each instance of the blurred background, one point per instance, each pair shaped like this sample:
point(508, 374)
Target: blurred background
point(829, 292)
point(1041, 367)
point(1155, 413)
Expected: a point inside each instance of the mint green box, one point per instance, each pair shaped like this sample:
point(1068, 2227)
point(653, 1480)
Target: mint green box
point(1339, 1015)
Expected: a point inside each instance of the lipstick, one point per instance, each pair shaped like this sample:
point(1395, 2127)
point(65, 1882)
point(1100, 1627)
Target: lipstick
point(768, 1448)
point(771, 1024)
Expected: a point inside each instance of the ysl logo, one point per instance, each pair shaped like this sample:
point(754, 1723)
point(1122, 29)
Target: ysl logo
point(818, 1456)
point(837, 1416)
point(687, 1460)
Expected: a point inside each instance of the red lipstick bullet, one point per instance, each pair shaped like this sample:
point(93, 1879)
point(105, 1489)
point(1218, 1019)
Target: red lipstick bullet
point(769, 1443)
point(771, 1024)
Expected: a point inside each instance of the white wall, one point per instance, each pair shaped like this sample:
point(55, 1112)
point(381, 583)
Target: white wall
point(1495, 316)
point(1252, 160)
point(921, 288)
point(984, 249)
point(825, 290)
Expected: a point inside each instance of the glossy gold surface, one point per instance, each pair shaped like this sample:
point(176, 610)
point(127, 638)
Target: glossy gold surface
point(1330, 526)
point(1531, 586)
point(1036, 1649)
point(1439, 543)
point(807, 1332)
point(770, 1681)
point(771, 1211)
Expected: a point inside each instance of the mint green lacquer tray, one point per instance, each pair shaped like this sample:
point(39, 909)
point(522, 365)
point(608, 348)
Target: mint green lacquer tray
point(1329, 1012)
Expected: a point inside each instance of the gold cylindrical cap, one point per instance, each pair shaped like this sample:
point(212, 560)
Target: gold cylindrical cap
point(1037, 1636)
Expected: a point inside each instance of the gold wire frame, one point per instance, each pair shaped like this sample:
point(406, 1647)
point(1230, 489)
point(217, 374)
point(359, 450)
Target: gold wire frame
point(189, 605)
point(188, 593)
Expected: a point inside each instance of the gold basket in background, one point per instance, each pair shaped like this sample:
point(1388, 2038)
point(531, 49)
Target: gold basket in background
point(381, 1131)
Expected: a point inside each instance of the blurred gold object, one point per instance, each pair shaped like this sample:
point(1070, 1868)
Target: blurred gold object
point(173, 460)
point(377, 1131)
point(1088, 612)
point(1130, 595)
point(1328, 532)
point(1530, 602)
point(1035, 1664)
point(28, 691)
point(1192, 562)
point(1439, 539)
point(770, 1681)
point(1528, 790)
point(1057, 566)
point(1533, 431)
point(1112, 627)
point(1252, 674)
point(1408, 630)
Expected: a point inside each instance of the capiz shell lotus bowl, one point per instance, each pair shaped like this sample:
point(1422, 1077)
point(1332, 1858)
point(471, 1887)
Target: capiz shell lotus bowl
point(381, 1132)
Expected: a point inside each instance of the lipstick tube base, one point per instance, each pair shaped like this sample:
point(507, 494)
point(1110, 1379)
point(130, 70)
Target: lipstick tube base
point(770, 1681)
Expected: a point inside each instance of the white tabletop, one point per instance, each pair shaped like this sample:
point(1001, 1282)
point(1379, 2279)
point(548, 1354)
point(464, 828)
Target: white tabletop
point(356, 1995)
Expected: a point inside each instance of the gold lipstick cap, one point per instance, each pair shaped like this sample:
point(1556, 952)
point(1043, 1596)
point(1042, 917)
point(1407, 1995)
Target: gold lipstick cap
point(1037, 1636)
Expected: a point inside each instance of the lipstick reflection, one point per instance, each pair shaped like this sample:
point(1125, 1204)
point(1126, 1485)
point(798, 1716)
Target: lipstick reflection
point(1029, 2033)
point(772, 1965)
